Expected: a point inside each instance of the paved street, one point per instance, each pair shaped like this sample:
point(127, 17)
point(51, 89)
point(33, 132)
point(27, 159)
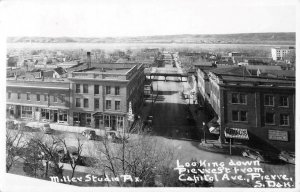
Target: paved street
point(172, 116)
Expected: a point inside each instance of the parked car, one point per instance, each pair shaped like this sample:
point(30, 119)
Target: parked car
point(46, 129)
point(11, 124)
point(287, 157)
point(262, 156)
point(114, 137)
point(253, 154)
point(89, 134)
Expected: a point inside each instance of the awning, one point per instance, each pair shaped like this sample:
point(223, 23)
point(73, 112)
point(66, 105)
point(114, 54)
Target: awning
point(214, 126)
point(214, 130)
point(97, 114)
point(236, 133)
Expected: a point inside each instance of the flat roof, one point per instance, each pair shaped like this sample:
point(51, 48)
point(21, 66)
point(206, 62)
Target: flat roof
point(104, 70)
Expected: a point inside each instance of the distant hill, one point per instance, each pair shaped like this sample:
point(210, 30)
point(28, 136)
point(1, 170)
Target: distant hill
point(242, 38)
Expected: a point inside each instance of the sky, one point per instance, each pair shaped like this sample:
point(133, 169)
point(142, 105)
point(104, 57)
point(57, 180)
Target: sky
point(119, 18)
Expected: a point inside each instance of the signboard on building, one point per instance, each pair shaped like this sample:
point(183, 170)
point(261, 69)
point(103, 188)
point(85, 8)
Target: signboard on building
point(130, 114)
point(236, 133)
point(278, 135)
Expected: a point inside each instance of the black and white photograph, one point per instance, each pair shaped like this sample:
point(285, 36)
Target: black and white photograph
point(167, 95)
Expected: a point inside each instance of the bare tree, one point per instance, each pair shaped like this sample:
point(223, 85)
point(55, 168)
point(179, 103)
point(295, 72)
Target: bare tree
point(48, 148)
point(73, 154)
point(15, 145)
point(140, 156)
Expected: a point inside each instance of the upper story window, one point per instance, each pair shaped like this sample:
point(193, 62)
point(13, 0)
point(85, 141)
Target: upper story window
point(117, 105)
point(107, 89)
point(19, 95)
point(269, 100)
point(117, 90)
point(239, 116)
point(45, 97)
point(38, 97)
point(9, 95)
point(28, 96)
point(239, 98)
point(284, 120)
point(77, 102)
point(96, 103)
point(96, 89)
point(283, 101)
point(77, 87)
point(62, 98)
point(54, 98)
point(85, 88)
point(270, 118)
point(108, 104)
point(85, 103)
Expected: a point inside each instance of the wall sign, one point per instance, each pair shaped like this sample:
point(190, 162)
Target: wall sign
point(278, 135)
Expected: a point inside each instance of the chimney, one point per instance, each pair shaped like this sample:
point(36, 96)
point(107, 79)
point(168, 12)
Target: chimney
point(89, 62)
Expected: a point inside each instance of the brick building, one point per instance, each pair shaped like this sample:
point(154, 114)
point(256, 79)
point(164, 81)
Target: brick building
point(101, 96)
point(95, 97)
point(264, 106)
point(38, 100)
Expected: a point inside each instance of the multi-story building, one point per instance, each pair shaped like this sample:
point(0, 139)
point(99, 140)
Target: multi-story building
point(38, 100)
point(92, 97)
point(280, 53)
point(101, 96)
point(263, 106)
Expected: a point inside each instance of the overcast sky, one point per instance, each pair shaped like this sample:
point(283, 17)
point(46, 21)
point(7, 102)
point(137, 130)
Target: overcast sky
point(102, 18)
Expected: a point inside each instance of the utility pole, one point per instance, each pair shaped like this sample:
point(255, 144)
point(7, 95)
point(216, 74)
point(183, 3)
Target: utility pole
point(203, 128)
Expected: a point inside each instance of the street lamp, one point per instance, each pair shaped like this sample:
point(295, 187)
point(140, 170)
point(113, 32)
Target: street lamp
point(203, 128)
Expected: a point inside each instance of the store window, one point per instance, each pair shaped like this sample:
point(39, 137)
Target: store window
point(26, 112)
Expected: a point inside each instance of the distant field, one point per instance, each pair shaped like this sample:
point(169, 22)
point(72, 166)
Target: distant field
point(263, 50)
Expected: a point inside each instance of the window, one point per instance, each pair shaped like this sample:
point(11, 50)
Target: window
point(235, 116)
point(107, 89)
point(243, 115)
point(243, 99)
point(46, 114)
point(62, 97)
point(85, 103)
point(38, 97)
point(77, 88)
point(239, 116)
point(75, 118)
point(77, 102)
point(96, 89)
point(96, 103)
point(235, 98)
point(45, 97)
point(108, 104)
point(269, 100)
point(117, 90)
point(238, 98)
point(88, 119)
point(19, 95)
point(26, 112)
point(120, 122)
point(117, 105)
point(63, 116)
point(85, 88)
point(283, 101)
point(28, 96)
point(270, 118)
point(9, 95)
point(54, 98)
point(284, 119)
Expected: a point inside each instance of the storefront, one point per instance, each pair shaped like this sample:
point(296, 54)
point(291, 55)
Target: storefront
point(82, 119)
point(54, 115)
point(109, 121)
